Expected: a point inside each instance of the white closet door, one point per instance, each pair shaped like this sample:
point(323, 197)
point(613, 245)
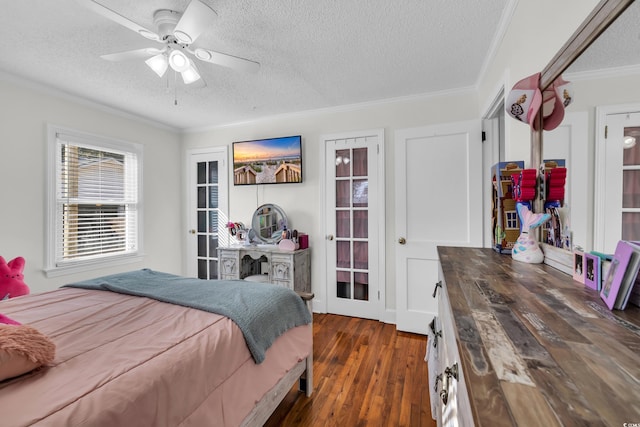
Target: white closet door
point(438, 202)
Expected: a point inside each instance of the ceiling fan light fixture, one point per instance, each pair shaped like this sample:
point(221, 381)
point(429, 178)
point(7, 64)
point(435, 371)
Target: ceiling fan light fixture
point(158, 64)
point(203, 54)
point(178, 61)
point(182, 37)
point(191, 74)
point(629, 142)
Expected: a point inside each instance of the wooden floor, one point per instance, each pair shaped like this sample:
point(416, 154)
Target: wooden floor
point(365, 374)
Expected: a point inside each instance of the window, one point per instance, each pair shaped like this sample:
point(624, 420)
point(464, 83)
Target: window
point(512, 220)
point(94, 200)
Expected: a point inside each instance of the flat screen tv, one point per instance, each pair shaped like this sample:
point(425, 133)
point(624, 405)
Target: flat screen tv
point(268, 161)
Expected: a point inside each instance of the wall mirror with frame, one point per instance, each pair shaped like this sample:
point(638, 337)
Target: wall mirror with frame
point(268, 223)
point(602, 54)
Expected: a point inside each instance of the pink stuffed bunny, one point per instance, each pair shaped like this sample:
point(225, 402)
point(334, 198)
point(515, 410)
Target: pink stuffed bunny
point(526, 248)
point(11, 278)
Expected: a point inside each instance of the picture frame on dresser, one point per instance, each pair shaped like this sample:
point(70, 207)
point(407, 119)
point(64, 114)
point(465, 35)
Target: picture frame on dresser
point(629, 279)
point(592, 271)
point(578, 266)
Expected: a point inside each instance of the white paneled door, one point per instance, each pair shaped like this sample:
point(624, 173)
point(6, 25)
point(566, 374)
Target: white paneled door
point(617, 207)
point(207, 204)
point(567, 142)
point(438, 199)
point(353, 223)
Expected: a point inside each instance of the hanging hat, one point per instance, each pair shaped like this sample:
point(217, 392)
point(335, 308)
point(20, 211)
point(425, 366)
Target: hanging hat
point(554, 100)
point(525, 99)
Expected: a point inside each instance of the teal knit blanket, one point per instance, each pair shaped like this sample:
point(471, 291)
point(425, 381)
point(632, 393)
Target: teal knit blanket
point(262, 311)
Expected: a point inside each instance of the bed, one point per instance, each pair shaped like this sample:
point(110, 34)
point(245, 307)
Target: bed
point(127, 358)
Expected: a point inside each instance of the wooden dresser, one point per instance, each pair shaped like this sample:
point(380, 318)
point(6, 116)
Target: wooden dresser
point(291, 269)
point(530, 346)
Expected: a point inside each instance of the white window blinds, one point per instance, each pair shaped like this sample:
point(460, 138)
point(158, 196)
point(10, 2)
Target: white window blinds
point(96, 200)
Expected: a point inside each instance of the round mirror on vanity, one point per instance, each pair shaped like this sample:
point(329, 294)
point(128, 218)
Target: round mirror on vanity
point(268, 223)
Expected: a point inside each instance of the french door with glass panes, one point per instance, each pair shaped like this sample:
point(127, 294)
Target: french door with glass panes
point(207, 214)
point(353, 257)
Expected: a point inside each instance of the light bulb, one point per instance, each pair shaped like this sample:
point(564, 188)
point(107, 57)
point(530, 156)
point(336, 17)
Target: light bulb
point(178, 61)
point(629, 142)
point(191, 74)
point(158, 64)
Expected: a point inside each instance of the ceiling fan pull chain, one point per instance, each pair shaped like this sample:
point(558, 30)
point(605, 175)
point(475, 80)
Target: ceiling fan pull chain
point(175, 88)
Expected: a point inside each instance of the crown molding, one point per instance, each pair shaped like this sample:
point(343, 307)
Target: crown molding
point(340, 108)
point(40, 87)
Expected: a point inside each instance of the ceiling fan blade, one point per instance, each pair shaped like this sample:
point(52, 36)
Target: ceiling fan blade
point(225, 60)
point(116, 17)
point(132, 54)
point(195, 19)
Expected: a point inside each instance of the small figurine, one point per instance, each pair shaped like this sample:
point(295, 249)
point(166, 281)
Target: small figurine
point(526, 248)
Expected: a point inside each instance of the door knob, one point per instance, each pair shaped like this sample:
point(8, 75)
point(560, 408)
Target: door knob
point(330, 237)
point(402, 240)
point(192, 231)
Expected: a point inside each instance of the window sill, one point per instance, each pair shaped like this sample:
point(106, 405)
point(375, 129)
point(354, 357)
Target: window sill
point(83, 266)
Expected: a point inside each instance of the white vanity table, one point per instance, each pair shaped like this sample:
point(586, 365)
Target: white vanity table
point(266, 262)
point(291, 269)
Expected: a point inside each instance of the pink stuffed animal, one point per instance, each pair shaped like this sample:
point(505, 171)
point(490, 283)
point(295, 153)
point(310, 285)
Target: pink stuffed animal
point(11, 278)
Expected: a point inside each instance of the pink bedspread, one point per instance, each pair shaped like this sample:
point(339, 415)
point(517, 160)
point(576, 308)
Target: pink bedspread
point(131, 361)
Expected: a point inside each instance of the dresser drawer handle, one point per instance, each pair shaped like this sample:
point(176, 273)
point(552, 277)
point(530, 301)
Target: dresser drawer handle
point(436, 335)
point(444, 393)
point(448, 373)
point(438, 380)
point(438, 285)
point(452, 371)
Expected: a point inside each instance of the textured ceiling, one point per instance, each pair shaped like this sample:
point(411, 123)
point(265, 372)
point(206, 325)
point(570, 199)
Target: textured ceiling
point(616, 48)
point(314, 54)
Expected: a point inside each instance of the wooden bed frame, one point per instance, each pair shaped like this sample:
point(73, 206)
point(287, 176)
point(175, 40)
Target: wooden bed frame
point(73, 306)
point(302, 372)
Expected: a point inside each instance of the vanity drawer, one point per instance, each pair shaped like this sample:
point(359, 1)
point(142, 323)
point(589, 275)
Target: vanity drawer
point(229, 263)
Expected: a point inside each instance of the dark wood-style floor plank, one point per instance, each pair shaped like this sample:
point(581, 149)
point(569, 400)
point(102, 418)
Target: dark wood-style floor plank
point(365, 374)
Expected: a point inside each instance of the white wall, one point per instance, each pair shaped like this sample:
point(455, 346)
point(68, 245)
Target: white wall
point(302, 202)
point(537, 31)
point(24, 113)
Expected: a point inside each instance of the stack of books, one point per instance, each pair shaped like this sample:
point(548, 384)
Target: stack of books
point(634, 297)
point(619, 283)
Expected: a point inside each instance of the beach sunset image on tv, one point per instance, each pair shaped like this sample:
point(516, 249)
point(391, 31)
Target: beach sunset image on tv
point(268, 161)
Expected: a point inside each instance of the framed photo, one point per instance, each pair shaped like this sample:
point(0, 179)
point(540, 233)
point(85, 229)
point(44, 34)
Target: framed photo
point(578, 266)
point(592, 271)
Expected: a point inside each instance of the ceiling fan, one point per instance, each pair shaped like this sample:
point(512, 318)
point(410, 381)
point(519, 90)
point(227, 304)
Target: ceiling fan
point(176, 31)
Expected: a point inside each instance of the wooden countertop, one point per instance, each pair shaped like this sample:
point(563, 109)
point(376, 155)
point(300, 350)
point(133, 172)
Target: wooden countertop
point(537, 347)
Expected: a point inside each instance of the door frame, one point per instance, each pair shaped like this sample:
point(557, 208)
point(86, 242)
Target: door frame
point(600, 164)
point(320, 302)
point(224, 206)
